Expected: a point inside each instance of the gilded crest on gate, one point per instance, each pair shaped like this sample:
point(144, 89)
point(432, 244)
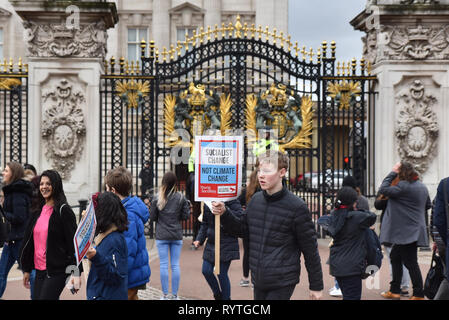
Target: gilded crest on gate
point(195, 111)
point(344, 93)
point(132, 92)
point(290, 115)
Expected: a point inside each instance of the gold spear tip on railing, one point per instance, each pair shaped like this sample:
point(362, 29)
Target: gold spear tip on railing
point(338, 69)
point(324, 48)
point(333, 47)
point(362, 65)
point(311, 54)
point(238, 27)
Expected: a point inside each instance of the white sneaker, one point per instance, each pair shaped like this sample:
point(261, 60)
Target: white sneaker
point(165, 297)
point(334, 292)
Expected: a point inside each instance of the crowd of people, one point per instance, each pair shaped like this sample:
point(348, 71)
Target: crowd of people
point(274, 224)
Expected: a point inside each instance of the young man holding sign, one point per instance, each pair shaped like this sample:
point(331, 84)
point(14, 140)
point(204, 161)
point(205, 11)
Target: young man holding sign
point(280, 228)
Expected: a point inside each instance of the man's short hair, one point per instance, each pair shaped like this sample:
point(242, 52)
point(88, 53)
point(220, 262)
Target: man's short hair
point(120, 179)
point(275, 157)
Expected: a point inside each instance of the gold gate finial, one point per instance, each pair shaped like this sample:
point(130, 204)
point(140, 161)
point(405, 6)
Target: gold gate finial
point(238, 27)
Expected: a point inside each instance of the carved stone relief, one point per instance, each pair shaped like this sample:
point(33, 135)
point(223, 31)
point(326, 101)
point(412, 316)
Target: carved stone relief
point(55, 40)
point(370, 47)
point(63, 126)
point(417, 127)
point(415, 42)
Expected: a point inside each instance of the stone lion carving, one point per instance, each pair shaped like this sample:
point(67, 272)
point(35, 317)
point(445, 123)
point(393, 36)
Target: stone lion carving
point(63, 126)
point(417, 128)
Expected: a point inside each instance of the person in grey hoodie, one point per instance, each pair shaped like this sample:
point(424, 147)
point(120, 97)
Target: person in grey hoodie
point(404, 226)
point(168, 209)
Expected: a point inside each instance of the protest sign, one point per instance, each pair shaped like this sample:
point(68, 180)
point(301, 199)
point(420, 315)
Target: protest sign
point(218, 167)
point(85, 233)
point(218, 175)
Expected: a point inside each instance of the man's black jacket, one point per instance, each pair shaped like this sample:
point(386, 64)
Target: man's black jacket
point(279, 228)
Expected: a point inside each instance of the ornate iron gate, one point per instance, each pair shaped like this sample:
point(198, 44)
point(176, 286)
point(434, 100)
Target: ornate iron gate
point(222, 79)
point(14, 105)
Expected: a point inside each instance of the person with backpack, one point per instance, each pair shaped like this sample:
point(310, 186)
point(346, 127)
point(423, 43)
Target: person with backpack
point(361, 205)
point(48, 243)
point(16, 209)
point(120, 181)
point(404, 226)
point(348, 258)
point(168, 210)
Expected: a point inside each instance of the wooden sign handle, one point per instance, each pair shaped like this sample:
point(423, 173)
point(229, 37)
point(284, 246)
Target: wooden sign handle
point(217, 245)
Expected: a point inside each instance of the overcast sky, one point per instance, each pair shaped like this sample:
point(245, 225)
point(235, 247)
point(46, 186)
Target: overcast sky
point(312, 21)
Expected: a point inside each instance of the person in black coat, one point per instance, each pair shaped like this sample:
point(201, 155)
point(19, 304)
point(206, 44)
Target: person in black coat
point(145, 175)
point(16, 207)
point(439, 221)
point(48, 241)
point(347, 259)
point(229, 250)
point(280, 228)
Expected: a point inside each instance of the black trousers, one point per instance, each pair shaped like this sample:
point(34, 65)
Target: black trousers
point(284, 293)
point(245, 260)
point(406, 254)
point(196, 212)
point(351, 287)
point(48, 288)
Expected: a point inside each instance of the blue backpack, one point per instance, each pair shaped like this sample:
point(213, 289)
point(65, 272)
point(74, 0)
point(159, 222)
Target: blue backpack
point(374, 254)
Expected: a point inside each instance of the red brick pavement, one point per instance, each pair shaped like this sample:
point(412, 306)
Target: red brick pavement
point(194, 286)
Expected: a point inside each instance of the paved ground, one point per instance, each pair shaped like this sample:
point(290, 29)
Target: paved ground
point(194, 286)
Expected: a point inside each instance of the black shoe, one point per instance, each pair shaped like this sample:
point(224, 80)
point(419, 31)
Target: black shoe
point(218, 296)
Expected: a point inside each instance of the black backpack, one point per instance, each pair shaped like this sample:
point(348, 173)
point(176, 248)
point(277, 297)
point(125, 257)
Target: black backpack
point(374, 254)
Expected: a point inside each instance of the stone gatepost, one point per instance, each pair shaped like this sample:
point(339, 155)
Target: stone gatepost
point(66, 45)
point(407, 46)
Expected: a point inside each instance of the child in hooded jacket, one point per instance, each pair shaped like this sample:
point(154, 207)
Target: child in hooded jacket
point(108, 276)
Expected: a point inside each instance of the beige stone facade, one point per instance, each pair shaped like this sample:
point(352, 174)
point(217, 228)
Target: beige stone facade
point(164, 21)
point(60, 61)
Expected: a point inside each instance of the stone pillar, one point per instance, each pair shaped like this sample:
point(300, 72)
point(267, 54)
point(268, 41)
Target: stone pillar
point(65, 53)
point(161, 23)
point(407, 44)
point(265, 13)
point(213, 13)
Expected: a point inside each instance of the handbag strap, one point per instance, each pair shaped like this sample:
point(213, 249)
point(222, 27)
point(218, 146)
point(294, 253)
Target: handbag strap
point(60, 209)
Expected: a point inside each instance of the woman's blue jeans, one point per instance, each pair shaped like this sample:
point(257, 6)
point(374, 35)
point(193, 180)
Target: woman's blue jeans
point(170, 248)
point(10, 255)
point(223, 285)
